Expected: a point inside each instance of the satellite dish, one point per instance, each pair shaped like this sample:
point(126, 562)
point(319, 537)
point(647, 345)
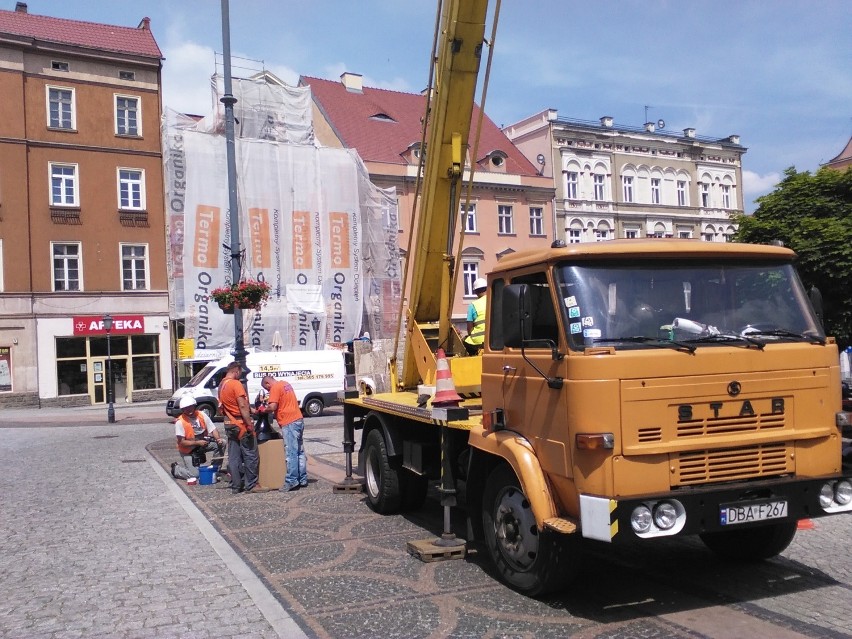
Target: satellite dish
point(661, 124)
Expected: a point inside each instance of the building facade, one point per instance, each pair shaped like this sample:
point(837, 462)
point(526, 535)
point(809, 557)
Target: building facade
point(81, 213)
point(626, 182)
point(510, 206)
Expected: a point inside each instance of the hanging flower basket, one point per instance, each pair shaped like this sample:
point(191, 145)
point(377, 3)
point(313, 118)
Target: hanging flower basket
point(246, 294)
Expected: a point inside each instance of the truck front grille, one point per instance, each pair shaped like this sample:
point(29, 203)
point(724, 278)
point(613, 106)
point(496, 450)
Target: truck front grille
point(731, 464)
point(727, 425)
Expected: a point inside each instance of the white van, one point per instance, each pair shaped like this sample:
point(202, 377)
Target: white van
point(316, 376)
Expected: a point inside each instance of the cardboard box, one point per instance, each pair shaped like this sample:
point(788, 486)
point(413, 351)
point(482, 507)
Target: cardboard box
point(273, 465)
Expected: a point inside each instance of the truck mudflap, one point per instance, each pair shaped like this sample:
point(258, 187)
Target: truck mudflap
point(715, 509)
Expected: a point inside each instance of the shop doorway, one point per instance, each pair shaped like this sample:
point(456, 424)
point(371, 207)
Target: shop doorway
point(99, 376)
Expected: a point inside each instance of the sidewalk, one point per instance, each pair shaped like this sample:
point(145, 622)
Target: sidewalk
point(125, 414)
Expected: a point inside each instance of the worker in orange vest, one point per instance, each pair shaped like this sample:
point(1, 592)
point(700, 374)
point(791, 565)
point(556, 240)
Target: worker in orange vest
point(196, 436)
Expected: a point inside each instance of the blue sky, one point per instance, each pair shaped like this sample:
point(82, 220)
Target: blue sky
point(776, 72)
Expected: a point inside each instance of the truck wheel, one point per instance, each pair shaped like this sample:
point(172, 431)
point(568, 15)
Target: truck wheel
point(313, 407)
point(382, 476)
point(208, 410)
point(530, 561)
point(751, 544)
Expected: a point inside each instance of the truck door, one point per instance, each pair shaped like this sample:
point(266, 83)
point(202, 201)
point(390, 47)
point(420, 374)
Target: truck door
point(534, 408)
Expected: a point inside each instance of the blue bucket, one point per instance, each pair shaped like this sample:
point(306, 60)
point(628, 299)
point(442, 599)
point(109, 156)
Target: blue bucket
point(206, 475)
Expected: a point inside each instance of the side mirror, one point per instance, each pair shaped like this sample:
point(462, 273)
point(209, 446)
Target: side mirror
point(816, 301)
point(516, 315)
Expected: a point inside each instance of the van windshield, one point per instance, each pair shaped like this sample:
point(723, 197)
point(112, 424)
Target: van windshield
point(201, 375)
point(653, 303)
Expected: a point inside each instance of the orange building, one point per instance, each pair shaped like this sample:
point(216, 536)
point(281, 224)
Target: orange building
point(511, 204)
point(81, 213)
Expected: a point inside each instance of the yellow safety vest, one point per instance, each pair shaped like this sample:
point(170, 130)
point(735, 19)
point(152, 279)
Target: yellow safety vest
point(477, 334)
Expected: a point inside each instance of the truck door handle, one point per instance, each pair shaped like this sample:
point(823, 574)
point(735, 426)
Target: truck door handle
point(509, 369)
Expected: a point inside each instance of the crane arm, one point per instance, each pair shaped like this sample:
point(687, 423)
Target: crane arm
point(456, 72)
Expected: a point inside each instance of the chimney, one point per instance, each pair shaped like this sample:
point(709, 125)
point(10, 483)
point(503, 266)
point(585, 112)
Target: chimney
point(145, 24)
point(734, 139)
point(689, 133)
point(649, 127)
point(21, 7)
point(606, 121)
point(352, 81)
point(552, 114)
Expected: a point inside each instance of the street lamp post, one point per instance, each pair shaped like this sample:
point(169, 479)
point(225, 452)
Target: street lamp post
point(315, 324)
point(111, 409)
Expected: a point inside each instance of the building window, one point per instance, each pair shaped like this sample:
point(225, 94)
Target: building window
point(127, 116)
point(631, 234)
point(470, 272)
point(536, 220)
point(726, 196)
point(708, 237)
point(681, 193)
point(469, 218)
point(131, 190)
point(705, 195)
point(63, 185)
point(134, 267)
point(66, 266)
point(599, 187)
point(58, 65)
point(575, 234)
point(126, 75)
point(627, 187)
point(684, 235)
point(505, 225)
point(571, 185)
point(2, 278)
point(655, 190)
point(60, 108)
point(601, 234)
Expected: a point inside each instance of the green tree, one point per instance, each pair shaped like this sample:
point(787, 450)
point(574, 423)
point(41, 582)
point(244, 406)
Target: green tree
point(812, 214)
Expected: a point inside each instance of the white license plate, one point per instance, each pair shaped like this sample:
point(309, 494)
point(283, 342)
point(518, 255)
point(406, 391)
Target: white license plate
point(731, 514)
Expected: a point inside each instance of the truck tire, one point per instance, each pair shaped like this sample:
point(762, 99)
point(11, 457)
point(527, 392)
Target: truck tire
point(313, 407)
point(530, 561)
point(382, 485)
point(751, 544)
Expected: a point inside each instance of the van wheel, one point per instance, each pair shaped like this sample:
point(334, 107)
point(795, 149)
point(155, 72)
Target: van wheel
point(530, 561)
point(208, 410)
point(382, 483)
point(313, 407)
point(751, 544)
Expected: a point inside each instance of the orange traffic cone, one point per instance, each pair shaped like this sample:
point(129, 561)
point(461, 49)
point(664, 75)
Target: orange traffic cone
point(445, 389)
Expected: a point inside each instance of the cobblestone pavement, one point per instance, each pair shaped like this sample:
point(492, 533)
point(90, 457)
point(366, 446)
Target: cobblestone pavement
point(337, 569)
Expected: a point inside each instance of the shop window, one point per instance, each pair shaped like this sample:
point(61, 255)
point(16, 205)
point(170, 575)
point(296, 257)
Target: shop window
point(145, 344)
point(146, 372)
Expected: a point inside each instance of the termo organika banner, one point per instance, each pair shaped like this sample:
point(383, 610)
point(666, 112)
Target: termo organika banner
point(300, 229)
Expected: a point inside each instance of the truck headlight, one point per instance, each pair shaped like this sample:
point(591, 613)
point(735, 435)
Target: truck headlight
point(640, 519)
point(843, 492)
point(665, 515)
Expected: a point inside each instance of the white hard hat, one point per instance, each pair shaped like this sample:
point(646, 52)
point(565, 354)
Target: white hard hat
point(186, 401)
point(479, 283)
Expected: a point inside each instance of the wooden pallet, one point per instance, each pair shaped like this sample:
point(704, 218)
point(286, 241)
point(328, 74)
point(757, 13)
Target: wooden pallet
point(348, 486)
point(427, 550)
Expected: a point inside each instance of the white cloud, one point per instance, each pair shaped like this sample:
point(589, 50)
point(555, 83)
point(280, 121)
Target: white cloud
point(186, 77)
point(755, 185)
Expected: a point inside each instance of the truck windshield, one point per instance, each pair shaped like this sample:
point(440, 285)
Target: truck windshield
point(653, 303)
point(201, 375)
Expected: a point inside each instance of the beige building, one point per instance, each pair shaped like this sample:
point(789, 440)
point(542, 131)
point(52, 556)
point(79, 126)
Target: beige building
point(616, 181)
point(511, 204)
point(81, 213)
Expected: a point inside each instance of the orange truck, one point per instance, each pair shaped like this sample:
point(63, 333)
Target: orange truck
point(627, 391)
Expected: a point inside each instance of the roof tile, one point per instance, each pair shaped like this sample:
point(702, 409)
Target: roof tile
point(89, 35)
point(377, 139)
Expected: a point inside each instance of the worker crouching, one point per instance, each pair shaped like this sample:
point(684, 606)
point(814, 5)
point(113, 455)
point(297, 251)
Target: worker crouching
point(196, 436)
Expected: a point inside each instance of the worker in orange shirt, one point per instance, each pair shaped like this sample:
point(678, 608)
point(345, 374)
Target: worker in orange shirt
point(283, 404)
point(243, 459)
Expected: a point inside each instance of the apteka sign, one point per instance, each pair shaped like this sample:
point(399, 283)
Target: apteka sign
point(121, 324)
